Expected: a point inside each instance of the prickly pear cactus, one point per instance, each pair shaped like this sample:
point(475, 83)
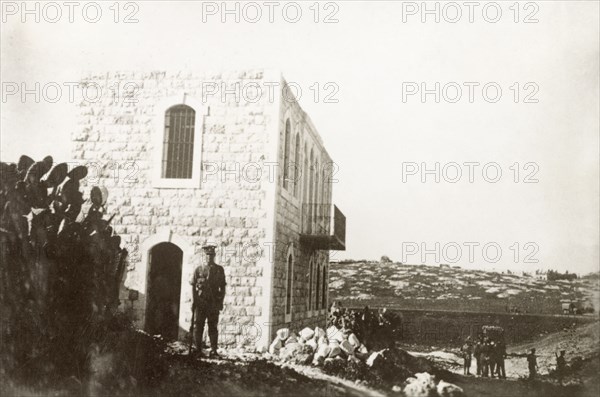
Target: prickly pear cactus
point(60, 269)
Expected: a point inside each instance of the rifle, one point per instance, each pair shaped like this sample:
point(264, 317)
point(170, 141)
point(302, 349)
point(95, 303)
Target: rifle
point(192, 328)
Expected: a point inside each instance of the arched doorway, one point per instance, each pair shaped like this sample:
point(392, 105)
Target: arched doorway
point(164, 290)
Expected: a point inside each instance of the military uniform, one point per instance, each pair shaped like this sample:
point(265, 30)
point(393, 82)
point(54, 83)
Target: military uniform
point(477, 353)
point(500, 354)
point(532, 364)
point(208, 284)
point(561, 365)
point(467, 351)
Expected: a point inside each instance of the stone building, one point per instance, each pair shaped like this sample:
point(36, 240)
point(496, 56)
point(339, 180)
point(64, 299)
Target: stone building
point(223, 158)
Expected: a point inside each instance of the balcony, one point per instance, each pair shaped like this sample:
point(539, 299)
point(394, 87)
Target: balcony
point(320, 230)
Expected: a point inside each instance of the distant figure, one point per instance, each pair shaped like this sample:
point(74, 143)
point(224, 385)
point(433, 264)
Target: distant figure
point(467, 351)
point(336, 307)
point(492, 358)
point(477, 354)
point(500, 354)
point(532, 363)
point(561, 365)
point(485, 358)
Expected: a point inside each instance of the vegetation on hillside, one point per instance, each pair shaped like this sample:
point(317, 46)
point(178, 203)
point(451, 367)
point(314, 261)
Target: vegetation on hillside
point(400, 286)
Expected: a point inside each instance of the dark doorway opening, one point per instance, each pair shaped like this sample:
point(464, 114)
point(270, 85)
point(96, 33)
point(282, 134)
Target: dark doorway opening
point(164, 290)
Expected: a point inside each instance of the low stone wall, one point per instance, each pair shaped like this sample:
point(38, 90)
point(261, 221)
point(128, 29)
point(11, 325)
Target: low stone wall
point(451, 328)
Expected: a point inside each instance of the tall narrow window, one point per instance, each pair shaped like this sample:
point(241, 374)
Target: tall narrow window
point(318, 288)
point(324, 294)
point(306, 199)
point(178, 142)
point(310, 284)
point(297, 165)
point(289, 285)
point(286, 154)
point(324, 209)
point(310, 203)
point(316, 211)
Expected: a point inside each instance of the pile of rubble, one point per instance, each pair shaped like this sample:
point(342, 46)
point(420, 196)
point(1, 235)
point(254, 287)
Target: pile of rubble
point(317, 346)
point(339, 352)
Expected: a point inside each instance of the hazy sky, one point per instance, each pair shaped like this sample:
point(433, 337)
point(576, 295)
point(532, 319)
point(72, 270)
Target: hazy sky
point(371, 132)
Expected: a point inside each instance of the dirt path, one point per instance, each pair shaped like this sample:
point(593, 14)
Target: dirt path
point(577, 342)
point(239, 373)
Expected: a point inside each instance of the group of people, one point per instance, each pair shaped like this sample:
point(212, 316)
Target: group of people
point(561, 365)
point(489, 357)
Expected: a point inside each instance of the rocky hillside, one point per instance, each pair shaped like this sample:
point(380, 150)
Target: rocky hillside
point(401, 286)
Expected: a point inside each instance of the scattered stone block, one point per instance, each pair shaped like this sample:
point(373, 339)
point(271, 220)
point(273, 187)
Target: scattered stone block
point(354, 341)
point(319, 333)
point(375, 359)
point(422, 385)
point(335, 350)
point(291, 339)
point(307, 334)
point(290, 351)
point(354, 359)
point(275, 347)
point(445, 389)
point(333, 333)
point(312, 343)
point(323, 351)
point(347, 348)
point(283, 334)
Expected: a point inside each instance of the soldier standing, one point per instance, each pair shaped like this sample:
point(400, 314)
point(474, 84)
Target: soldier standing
point(500, 355)
point(478, 359)
point(208, 291)
point(532, 364)
point(560, 365)
point(492, 358)
point(467, 351)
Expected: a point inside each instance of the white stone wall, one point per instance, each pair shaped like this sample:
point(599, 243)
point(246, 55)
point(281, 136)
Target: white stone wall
point(252, 219)
point(289, 222)
point(118, 140)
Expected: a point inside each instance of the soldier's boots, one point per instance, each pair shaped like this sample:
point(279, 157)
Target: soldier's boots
point(214, 354)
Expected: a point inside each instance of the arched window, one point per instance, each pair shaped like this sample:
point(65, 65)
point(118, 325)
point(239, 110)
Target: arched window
point(286, 154)
point(310, 203)
point(323, 205)
point(288, 287)
point(306, 199)
point(178, 142)
point(297, 174)
point(316, 210)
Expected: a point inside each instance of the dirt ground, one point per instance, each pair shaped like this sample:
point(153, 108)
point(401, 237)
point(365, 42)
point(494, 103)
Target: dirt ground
point(581, 342)
point(244, 375)
point(248, 375)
